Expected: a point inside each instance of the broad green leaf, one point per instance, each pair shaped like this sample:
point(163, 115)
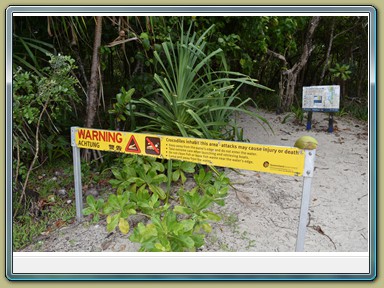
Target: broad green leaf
point(156, 222)
point(182, 210)
point(176, 175)
point(88, 211)
point(123, 226)
point(220, 202)
point(207, 227)
point(108, 209)
point(149, 232)
point(131, 211)
point(113, 201)
point(188, 224)
point(160, 247)
point(91, 200)
point(158, 166)
point(143, 204)
point(198, 239)
point(126, 211)
point(96, 218)
point(187, 241)
point(159, 191)
point(100, 203)
point(160, 178)
point(170, 220)
point(188, 167)
point(138, 181)
point(211, 216)
point(117, 174)
point(115, 182)
point(183, 178)
point(112, 222)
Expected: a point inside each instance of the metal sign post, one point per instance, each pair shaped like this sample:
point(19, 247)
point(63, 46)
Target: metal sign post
point(309, 165)
point(263, 158)
point(77, 176)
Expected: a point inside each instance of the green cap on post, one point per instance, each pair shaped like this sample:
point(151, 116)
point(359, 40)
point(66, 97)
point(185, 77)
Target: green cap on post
point(306, 142)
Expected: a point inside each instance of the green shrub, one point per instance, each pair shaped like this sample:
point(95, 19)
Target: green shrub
point(174, 220)
point(53, 88)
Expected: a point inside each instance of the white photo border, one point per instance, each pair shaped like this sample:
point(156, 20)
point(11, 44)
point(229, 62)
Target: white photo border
point(258, 266)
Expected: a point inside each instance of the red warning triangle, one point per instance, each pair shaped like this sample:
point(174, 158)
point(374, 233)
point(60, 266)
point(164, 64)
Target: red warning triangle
point(132, 145)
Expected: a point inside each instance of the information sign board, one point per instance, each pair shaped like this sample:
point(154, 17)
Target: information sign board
point(321, 98)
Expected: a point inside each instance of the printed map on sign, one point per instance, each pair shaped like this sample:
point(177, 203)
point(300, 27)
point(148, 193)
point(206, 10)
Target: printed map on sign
point(321, 98)
point(238, 155)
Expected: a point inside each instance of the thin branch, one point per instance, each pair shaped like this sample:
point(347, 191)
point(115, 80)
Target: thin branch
point(118, 42)
point(101, 88)
point(22, 196)
point(18, 158)
point(277, 55)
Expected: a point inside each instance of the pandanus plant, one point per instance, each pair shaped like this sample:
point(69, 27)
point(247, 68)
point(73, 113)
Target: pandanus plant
point(193, 99)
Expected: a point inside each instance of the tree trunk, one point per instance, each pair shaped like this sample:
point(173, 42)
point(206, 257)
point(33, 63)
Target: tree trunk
point(92, 99)
point(288, 77)
point(326, 64)
point(92, 95)
point(287, 89)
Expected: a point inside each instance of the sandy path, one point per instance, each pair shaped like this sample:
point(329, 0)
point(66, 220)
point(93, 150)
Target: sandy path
point(267, 206)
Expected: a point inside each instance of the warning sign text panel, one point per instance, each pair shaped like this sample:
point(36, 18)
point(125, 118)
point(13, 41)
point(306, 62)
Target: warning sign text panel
point(239, 155)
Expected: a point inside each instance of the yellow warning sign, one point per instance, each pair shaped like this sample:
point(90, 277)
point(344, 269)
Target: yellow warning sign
point(239, 155)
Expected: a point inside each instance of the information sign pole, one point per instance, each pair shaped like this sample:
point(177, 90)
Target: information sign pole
point(330, 123)
point(309, 120)
point(305, 198)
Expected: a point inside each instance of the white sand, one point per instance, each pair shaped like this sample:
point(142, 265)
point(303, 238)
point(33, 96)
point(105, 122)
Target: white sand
point(267, 206)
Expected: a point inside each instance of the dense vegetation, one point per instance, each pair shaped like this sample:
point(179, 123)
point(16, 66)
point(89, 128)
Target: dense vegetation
point(170, 75)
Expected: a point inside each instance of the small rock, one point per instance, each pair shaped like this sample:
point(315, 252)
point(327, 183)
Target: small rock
point(95, 249)
point(105, 245)
point(69, 201)
point(54, 178)
point(92, 191)
point(122, 248)
point(51, 198)
point(61, 192)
